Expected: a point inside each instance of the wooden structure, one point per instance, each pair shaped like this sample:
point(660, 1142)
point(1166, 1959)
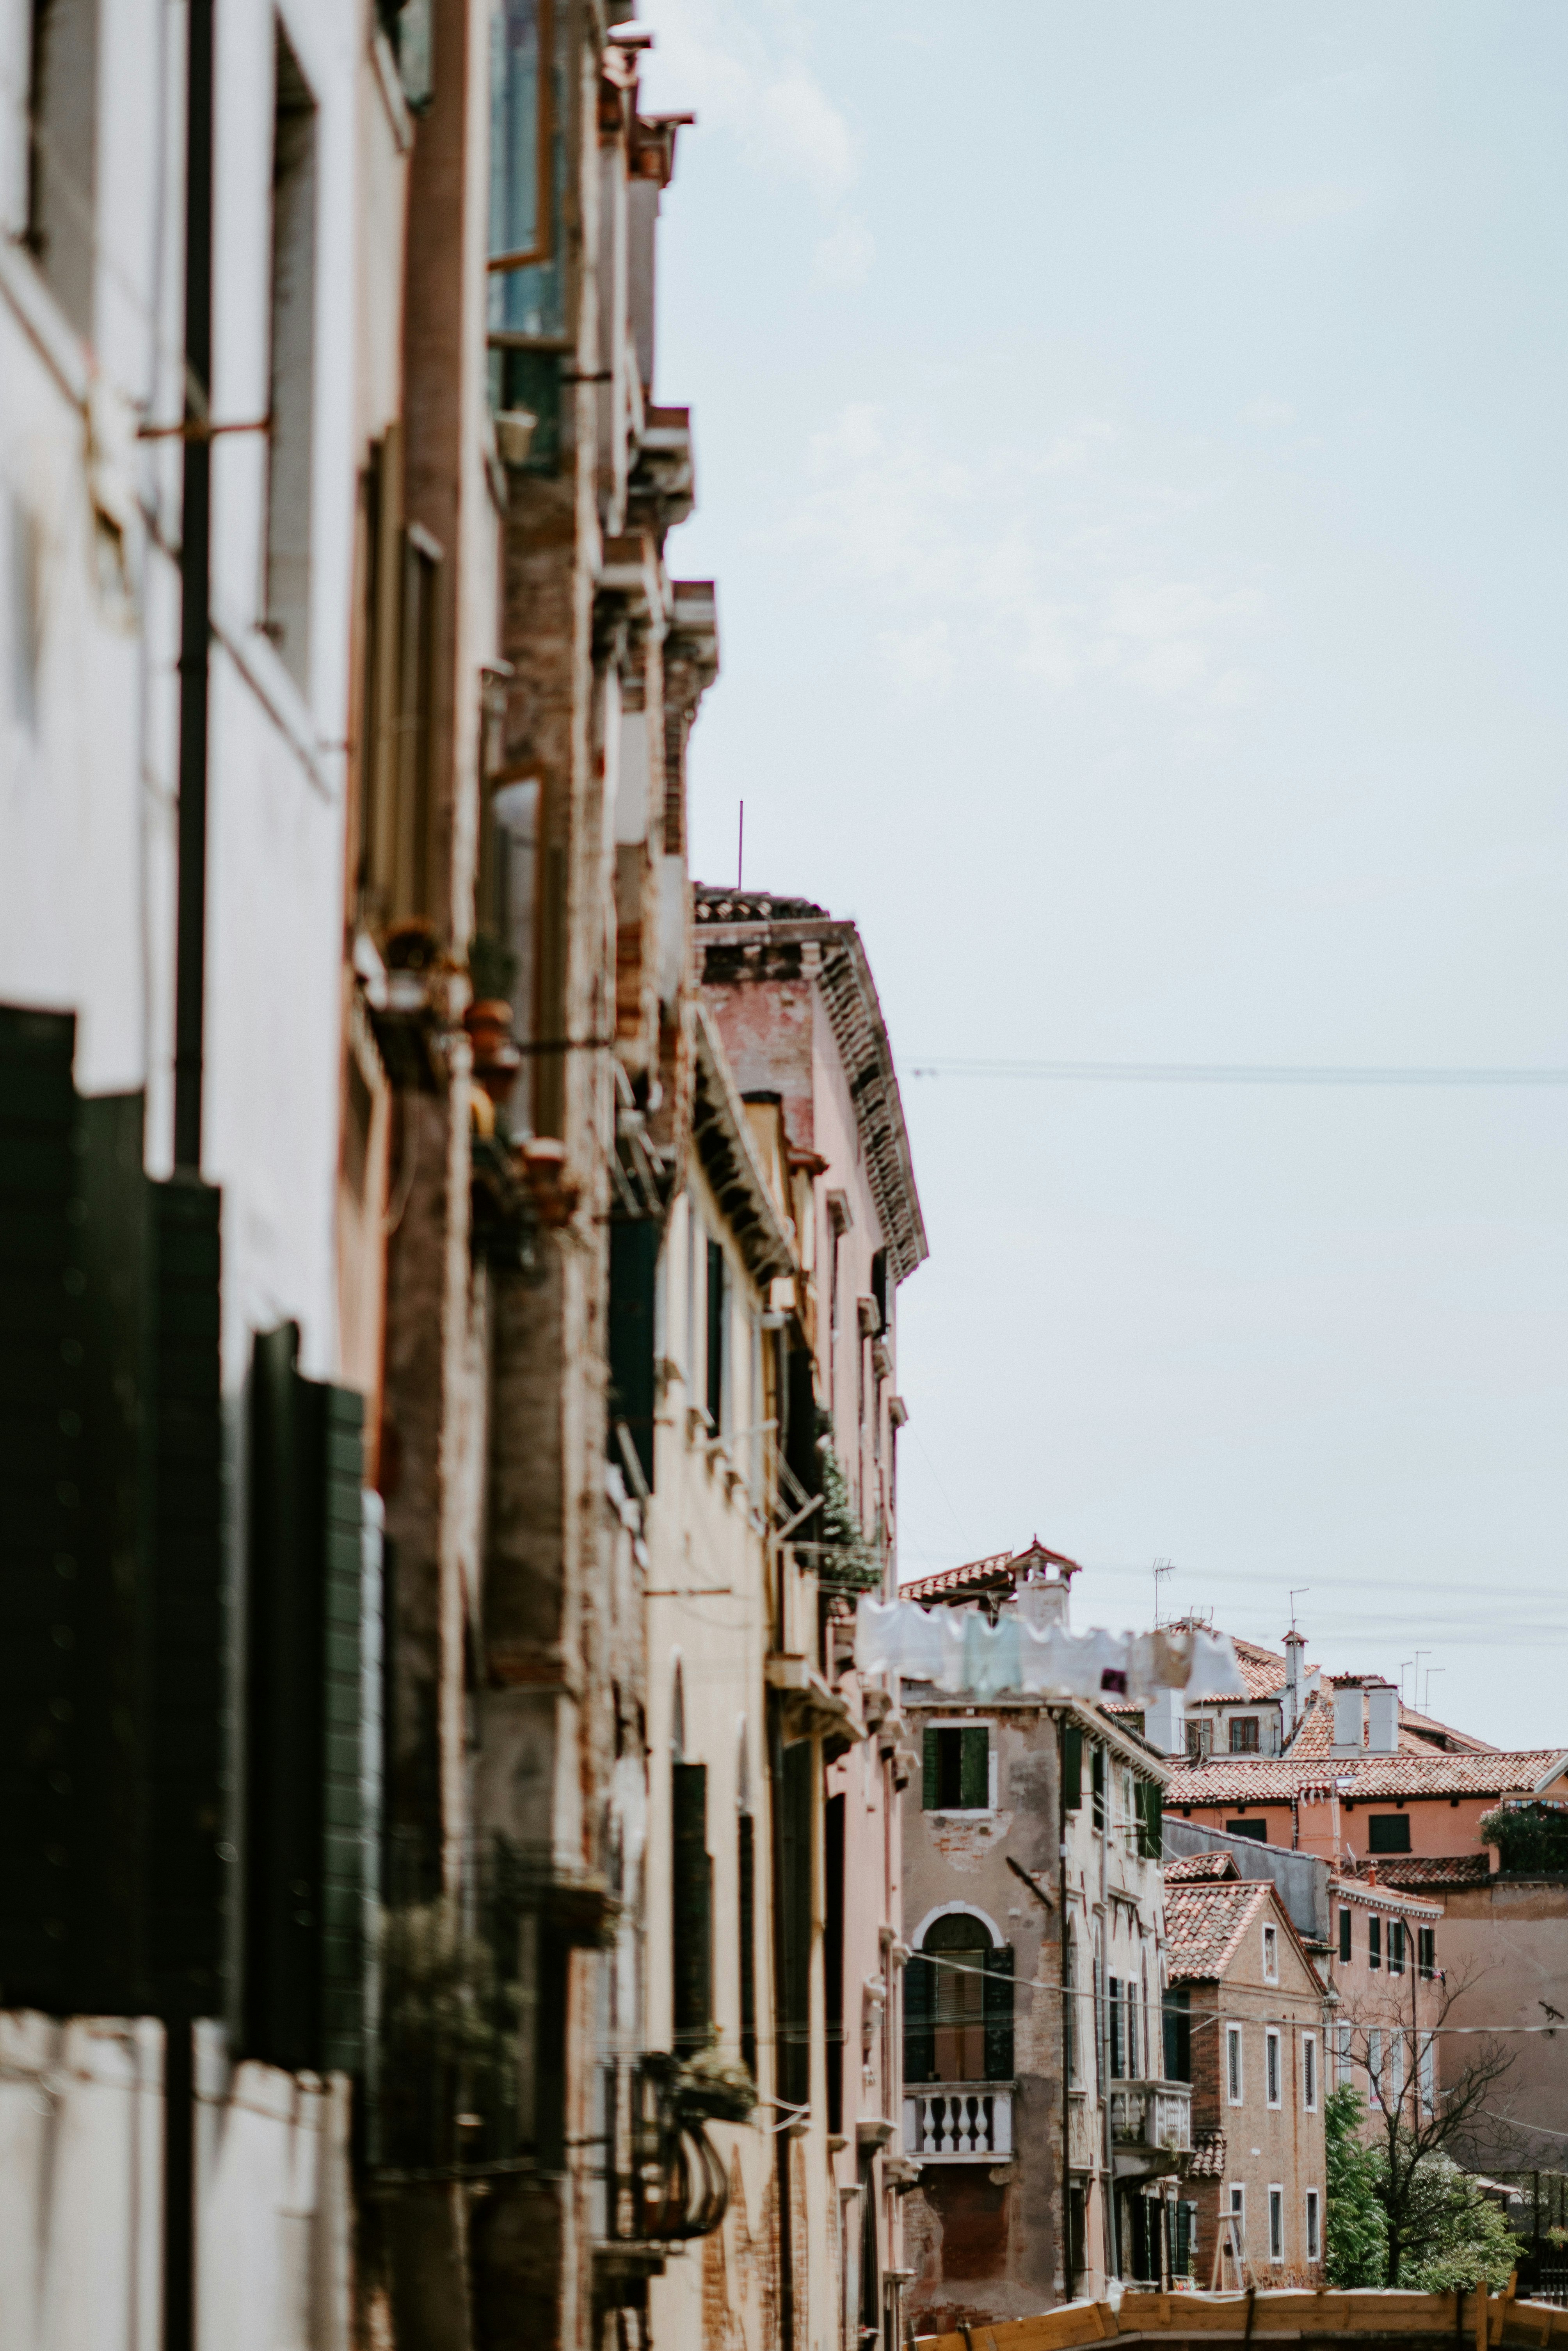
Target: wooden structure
point(1415, 2322)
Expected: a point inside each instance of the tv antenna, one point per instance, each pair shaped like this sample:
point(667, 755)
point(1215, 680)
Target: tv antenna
point(1162, 1567)
point(1295, 1595)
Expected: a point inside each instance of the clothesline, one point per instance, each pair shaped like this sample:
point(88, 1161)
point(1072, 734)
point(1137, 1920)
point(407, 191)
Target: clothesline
point(960, 1650)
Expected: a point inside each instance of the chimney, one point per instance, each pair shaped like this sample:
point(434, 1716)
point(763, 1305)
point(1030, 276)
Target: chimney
point(1291, 1710)
point(1382, 1719)
point(1349, 1705)
point(1165, 1725)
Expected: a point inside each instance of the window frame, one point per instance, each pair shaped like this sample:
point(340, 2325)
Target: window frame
point(1314, 2222)
point(965, 1723)
point(1427, 1953)
point(1396, 1940)
point(1237, 1743)
point(1343, 2054)
point(1374, 1943)
point(1276, 2224)
point(1271, 1954)
point(1235, 2066)
point(1273, 2067)
point(1346, 1933)
point(1309, 2073)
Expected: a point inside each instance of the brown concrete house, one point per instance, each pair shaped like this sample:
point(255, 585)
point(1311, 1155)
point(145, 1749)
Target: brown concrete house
point(1245, 2023)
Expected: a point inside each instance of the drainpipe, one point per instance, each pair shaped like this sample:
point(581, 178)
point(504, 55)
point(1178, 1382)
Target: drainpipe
point(195, 592)
point(189, 958)
point(783, 2138)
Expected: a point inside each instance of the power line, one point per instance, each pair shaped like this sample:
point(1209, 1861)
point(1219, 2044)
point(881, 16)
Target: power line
point(1238, 1073)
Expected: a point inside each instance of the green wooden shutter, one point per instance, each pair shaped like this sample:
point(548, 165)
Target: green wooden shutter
point(46, 1917)
point(793, 1898)
point(691, 1906)
point(998, 1992)
point(1178, 2033)
point(308, 1834)
point(975, 1770)
point(919, 2016)
point(1151, 1822)
point(930, 1770)
point(1071, 1766)
point(633, 1275)
point(1097, 1781)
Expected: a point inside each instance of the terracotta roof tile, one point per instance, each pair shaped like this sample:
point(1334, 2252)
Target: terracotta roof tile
point(1204, 1924)
point(999, 1573)
point(1194, 1868)
point(1274, 1779)
point(1207, 2156)
point(1423, 1872)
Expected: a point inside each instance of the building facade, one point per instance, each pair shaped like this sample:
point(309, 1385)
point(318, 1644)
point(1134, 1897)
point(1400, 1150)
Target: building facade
point(1040, 2115)
point(1245, 2022)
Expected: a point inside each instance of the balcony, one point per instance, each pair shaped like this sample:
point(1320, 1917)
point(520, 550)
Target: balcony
point(960, 2122)
point(1151, 2124)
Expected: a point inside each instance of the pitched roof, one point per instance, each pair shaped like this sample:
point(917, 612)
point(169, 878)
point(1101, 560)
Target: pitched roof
point(1275, 1779)
point(1423, 1873)
point(1205, 1924)
point(1194, 1868)
point(1315, 1732)
point(1262, 1670)
point(1001, 1572)
point(1207, 2156)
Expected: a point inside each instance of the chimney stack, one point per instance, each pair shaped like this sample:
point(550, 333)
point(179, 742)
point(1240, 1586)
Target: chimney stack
point(1165, 1723)
point(1294, 1645)
point(1382, 1719)
point(1349, 1715)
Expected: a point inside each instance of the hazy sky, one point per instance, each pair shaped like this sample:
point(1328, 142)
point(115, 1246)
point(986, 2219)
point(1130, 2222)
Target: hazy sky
point(1131, 446)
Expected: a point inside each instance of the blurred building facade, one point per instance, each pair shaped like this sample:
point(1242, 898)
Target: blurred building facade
point(447, 1396)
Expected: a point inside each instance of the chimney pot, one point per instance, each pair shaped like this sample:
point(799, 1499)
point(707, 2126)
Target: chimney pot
point(1349, 1714)
point(1383, 1719)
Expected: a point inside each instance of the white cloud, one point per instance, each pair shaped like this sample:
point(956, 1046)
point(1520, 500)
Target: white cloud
point(1053, 563)
point(745, 73)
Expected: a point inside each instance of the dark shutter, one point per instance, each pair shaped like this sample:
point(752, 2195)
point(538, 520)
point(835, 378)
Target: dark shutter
point(1097, 1775)
point(998, 1988)
point(634, 1272)
point(930, 1770)
point(691, 1906)
point(113, 1643)
point(309, 1839)
point(919, 2014)
point(747, 1862)
point(833, 1813)
point(47, 1922)
point(1071, 1766)
point(715, 1336)
point(1178, 2033)
point(1151, 1821)
point(1113, 2002)
point(975, 1770)
point(793, 1897)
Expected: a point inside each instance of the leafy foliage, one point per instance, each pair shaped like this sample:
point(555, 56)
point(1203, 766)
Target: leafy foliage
point(1532, 1838)
point(847, 1562)
point(1355, 2238)
point(1448, 2233)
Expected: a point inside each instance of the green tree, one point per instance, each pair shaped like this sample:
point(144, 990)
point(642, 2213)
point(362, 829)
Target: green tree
point(1355, 2237)
point(1454, 2234)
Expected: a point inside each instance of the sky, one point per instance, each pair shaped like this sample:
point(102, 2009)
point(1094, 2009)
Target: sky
point(1131, 451)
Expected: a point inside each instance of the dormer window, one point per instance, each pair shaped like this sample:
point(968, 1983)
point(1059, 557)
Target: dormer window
point(1244, 1739)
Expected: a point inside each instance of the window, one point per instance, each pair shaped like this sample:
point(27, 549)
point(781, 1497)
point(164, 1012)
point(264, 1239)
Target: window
point(1426, 2073)
point(1244, 1734)
point(1184, 2260)
point(1071, 1767)
point(959, 2005)
point(956, 1776)
point(1345, 1939)
point(1237, 2210)
point(62, 110)
point(1272, 1955)
point(1426, 1952)
point(1310, 2072)
point(691, 1906)
point(1397, 1947)
point(1271, 2066)
point(747, 1942)
point(1388, 1833)
point(1374, 2057)
point(1132, 2007)
point(1199, 1741)
point(1098, 1781)
point(1178, 2033)
point(1070, 1989)
point(1117, 2008)
point(716, 1288)
point(1374, 1942)
point(292, 399)
point(1343, 2068)
point(1257, 1830)
point(1314, 2226)
point(1395, 2069)
point(1233, 2064)
point(1276, 2224)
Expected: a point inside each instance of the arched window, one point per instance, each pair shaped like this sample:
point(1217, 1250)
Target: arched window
point(959, 2004)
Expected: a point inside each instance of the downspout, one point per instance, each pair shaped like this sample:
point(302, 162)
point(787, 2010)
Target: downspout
point(195, 593)
point(190, 958)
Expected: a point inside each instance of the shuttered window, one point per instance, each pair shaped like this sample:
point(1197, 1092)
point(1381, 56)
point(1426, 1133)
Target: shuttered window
point(691, 1906)
point(1071, 1766)
point(747, 1938)
point(715, 1331)
point(919, 2019)
point(956, 1769)
point(309, 1836)
point(793, 1900)
point(1114, 2002)
point(113, 1640)
point(833, 1813)
point(634, 1274)
point(999, 1965)
point(1178, 2033)
point(1151, 1823)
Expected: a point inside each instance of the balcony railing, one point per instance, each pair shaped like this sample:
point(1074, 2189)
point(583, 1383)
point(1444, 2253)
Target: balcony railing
point(961, 2122)
point(1154, 2115)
